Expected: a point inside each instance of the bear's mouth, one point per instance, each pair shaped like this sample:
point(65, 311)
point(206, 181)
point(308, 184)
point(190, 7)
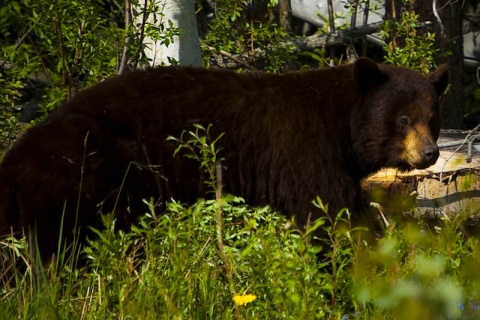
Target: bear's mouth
point(423, 163)
point(404, 167)
point(409, 164)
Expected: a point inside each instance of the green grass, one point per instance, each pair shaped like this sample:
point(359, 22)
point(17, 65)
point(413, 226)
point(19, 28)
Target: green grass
point(170, 267)
point(222, 259)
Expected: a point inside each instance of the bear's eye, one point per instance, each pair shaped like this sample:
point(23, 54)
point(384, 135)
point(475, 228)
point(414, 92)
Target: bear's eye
point(403, 122)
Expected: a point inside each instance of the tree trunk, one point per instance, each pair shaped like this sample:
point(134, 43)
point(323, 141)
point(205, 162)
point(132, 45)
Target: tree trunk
point(185, 48)
point(451, 44)
point(285, 16)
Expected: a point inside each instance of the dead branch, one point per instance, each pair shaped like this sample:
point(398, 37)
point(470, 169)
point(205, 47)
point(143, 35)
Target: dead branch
point(335, 38)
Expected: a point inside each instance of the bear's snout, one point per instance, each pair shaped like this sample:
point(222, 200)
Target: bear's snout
point(424, 157)
point(420, 149)
point(430, 154)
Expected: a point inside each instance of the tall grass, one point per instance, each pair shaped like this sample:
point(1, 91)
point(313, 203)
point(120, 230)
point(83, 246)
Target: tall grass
point(222, 259)
point(169, 267)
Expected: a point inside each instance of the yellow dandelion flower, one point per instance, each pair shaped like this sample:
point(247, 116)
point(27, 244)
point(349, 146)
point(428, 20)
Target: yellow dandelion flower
point(243, 299)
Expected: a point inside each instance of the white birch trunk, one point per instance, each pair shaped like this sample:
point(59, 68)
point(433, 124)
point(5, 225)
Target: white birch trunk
point(185, 48)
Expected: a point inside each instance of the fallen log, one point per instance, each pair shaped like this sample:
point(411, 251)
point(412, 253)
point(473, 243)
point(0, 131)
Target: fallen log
point(450, 187)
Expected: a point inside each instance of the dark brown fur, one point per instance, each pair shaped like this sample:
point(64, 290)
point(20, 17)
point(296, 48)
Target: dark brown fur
point(288, 138)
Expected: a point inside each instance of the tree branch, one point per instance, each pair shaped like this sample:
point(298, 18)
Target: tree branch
point(334, 38)
point(339, 37)
point(128, 23)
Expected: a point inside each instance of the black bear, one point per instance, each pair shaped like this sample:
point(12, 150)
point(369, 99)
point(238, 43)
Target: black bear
point(288, 139)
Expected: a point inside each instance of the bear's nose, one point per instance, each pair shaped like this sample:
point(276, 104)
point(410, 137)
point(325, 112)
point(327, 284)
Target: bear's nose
point(430, 154)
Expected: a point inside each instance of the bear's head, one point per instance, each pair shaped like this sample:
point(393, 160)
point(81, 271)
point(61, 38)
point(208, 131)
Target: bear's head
point(397, 122)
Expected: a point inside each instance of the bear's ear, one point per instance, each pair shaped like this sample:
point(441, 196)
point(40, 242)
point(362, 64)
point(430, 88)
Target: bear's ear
point(439, 78)
point(367, 74)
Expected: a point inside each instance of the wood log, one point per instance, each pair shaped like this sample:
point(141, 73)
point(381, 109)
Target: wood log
point(450, 187)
